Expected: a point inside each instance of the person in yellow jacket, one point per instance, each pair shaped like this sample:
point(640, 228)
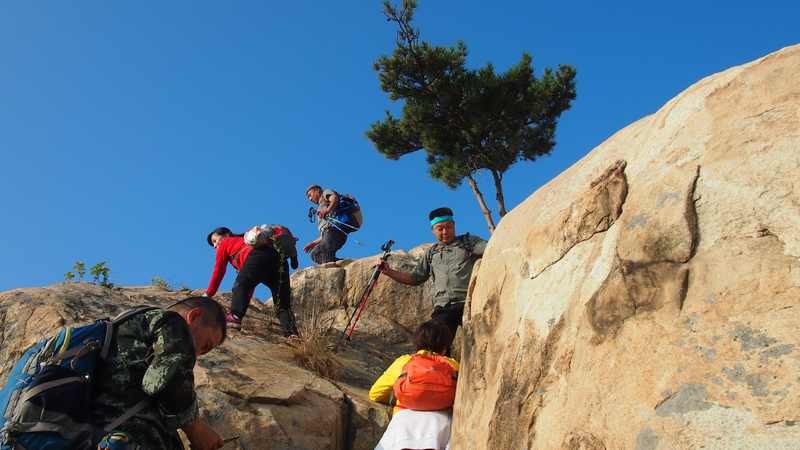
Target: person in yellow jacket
point(431, 338)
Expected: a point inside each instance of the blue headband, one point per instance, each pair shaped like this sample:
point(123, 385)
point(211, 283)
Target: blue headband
point(441, 219)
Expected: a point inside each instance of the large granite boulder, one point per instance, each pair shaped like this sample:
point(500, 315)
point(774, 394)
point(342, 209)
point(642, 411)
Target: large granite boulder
point(647, 298)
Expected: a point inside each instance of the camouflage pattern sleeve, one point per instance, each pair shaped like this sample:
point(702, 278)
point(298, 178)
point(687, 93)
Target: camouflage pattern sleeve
point(169, 378)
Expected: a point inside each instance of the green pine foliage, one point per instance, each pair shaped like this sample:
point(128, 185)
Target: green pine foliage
point(466, 120)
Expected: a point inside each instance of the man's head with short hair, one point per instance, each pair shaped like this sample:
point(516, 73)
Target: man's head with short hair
point(313, 193)
point(433, 336)
point(206, 319)
point(443, 225)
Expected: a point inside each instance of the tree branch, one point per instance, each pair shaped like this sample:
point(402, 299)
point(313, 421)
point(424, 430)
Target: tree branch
point(482, 202)
point(498, 187)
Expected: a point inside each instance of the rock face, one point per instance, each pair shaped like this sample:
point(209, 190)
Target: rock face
point(249, 387)
point(329, 293)
point(647, 298)
point(252, 386)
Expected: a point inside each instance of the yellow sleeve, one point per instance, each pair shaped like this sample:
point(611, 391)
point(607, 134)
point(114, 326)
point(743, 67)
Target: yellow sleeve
point(381, 390)
point(453, 363)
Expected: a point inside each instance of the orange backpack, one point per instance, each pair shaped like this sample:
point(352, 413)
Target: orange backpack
point(427, 383)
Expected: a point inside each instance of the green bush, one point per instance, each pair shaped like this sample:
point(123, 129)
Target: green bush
point(80, 268)
point(159, 282)
point(100, 273)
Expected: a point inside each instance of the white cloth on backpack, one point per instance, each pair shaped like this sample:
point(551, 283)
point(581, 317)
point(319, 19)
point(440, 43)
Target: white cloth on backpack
point(253, 235)
point(417, 430)
point(324, 202)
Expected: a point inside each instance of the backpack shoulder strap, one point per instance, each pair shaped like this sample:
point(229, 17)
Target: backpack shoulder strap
point(125, 315)
point(132, 411)
point(115, 322)
point(465, 242)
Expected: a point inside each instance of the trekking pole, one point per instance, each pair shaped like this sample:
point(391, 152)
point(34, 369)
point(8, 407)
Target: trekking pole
point(362, 303)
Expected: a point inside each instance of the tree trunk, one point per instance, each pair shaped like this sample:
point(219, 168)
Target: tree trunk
point(498, 188)
point(482, 202)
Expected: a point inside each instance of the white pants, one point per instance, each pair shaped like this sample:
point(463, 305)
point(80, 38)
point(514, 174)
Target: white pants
point(418, 430)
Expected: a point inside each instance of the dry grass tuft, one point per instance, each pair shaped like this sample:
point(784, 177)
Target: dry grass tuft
point(312, 350)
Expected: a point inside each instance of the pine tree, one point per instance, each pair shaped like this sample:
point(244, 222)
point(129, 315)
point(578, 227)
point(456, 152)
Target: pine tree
point(466, 120)
point(80, 269)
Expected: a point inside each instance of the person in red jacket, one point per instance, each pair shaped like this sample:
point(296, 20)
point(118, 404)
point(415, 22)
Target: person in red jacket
point(255, 265)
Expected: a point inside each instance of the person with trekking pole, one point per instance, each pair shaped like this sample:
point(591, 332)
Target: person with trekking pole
point(449, 262)
point(337, 216)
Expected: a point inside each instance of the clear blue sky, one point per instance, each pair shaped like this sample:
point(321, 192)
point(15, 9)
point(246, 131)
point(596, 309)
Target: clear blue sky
point(129, 129)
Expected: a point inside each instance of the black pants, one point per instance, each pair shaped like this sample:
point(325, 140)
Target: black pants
point(331, 241)
point(450, 315)
point(264, 265)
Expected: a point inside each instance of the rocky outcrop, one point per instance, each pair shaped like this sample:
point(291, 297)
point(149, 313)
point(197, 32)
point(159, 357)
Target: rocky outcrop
point(252, 386)
point(249, 387)
point(328, 294)
point(647, 297)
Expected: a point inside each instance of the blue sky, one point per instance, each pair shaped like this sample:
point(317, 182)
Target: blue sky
point(129, 130)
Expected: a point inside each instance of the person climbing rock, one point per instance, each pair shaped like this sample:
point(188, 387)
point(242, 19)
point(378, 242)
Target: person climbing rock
point(449, 261)
point(125, 383)
point(423, 410)
point(255, 265)
point(152, 358)
point(337, 216)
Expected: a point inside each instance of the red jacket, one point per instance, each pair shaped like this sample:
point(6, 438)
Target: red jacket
point(230, 249)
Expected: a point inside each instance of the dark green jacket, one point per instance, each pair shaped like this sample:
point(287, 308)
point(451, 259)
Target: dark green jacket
point(153, 357)
point(450, 265)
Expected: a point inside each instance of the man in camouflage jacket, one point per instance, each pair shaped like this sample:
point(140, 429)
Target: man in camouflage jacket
point(449, 261)
point(152, 359)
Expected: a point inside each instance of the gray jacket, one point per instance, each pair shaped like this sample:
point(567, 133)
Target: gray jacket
point(450, 265)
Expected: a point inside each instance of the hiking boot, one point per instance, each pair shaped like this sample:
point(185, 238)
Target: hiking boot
point(234, 321)
point(286, 319)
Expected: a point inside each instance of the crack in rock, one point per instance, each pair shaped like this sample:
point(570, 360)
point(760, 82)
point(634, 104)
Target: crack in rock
point(593, 213)
point(690, 214)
